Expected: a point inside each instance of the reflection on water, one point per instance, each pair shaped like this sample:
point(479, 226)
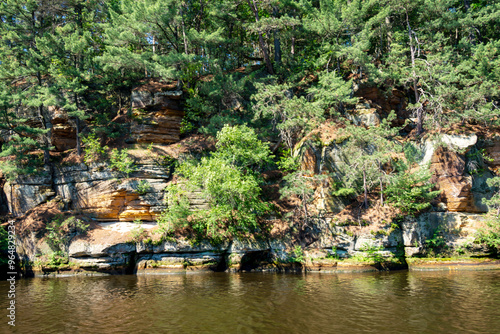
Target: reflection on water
point(398, 302)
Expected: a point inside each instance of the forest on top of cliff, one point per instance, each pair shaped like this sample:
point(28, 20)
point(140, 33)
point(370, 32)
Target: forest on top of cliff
point(249, 71)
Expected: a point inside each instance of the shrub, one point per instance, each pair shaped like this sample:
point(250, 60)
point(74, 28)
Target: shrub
point(93, 148)
point(59, 232)
point(411, 192)
point(121, 161)
point(143, 187)
point(298, 255)
point(227, 180)
point(490, 235)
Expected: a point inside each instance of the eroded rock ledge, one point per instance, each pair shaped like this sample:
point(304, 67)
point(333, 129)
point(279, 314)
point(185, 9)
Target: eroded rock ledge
point(109, 248)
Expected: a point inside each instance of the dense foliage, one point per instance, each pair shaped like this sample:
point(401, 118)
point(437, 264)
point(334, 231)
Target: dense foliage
point(279, 67)
point(227, 180)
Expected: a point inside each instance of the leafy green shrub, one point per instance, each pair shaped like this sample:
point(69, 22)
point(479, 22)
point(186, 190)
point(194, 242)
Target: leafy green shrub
point(489, 236)
point(287, 162)
point(57, 260)
point(298, 255)
point(437, 242)
point(120, 160)
point(333, 254)
point(178, 209)
point(411, 192)
point(143, 187)
point(93, 148)
point(494, 201)
point(228, 181)
point(59, 231)
point(371, 253)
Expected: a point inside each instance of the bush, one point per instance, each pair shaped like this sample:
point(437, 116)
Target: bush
point(490, 235)
point(59, 232)
point(228, 181)
point(121, 161)
point(298, 255)
point(143, 187)
point(93, 148)
point(411, 192)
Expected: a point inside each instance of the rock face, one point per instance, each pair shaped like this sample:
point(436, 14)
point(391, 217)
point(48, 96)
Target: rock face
point(157, 113)
point(456, 230)
point(28, 192)
point(63, 132)
point(493, 154)
point(448, 170)
point(364, 114)
point(112, 247)
point(460, 191)
point(95, 191)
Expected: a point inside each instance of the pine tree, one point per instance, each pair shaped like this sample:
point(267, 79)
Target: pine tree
point(23, 68)
point(364, 153)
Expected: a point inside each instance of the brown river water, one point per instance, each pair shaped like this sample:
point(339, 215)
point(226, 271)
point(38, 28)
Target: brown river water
point(395, 302)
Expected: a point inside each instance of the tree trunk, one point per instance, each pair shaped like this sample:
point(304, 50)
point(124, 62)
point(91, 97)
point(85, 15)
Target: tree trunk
point(277, 43)
point(46, 137)
point(47, 126)
point(389, 33)
point(78, 145)
point(184, 34)
point(263, 47)
point(420, 111)
point(366, 189)
point(381, 193)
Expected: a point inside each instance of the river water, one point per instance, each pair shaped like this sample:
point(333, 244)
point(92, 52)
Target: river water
point(395, 302)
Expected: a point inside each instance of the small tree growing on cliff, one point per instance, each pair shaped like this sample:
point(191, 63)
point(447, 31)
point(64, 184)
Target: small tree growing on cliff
point(227, 180)
point(365, 151)
point(490, 235)
point(494, 201)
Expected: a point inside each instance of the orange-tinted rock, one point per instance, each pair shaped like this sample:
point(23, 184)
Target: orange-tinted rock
point(448, 170)
point(385, 102)
point(493, 153)
point(63, 137)
point(308, 162)
point(158, 112)
point(112, 205)
point(161, 126)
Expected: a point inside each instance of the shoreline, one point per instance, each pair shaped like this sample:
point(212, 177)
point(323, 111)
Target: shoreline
point(339, 267)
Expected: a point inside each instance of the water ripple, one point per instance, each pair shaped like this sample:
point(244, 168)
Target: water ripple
point(399, 302)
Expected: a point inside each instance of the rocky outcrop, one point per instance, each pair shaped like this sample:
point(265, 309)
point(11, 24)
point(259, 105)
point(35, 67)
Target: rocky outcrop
point(63, 131)
point(28, 191)
point(384, 102)
point(109, 196)
point(157, 113)
point(94, 190)
point(336, 247)
point(364, 114)
point(461, 191)
point(455, 231)
point(448, 170)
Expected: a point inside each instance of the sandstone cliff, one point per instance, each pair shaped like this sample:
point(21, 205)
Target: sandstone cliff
point(121, 210)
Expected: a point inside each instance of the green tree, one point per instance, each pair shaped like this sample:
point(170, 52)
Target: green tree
point(227, 182)
point(364, 153)
point(291, 116)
